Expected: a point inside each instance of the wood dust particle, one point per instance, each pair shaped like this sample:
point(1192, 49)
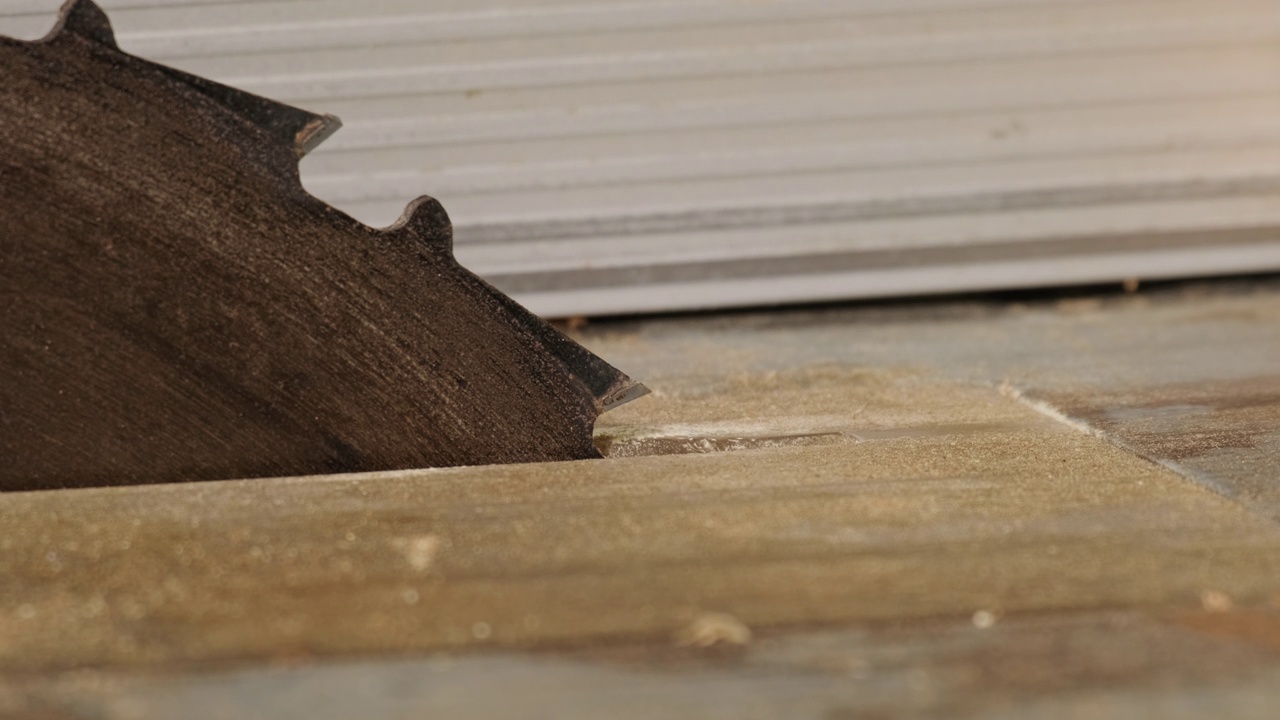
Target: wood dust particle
point(713, 629)
point(1216, 602)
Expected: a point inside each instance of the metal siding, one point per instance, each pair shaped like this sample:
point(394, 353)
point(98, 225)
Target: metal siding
point(614, 156)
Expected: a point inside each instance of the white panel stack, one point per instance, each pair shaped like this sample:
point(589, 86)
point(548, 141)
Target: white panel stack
point(614, 156)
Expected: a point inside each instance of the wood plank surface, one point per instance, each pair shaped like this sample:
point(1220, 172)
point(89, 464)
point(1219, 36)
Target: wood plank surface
point(861, 512)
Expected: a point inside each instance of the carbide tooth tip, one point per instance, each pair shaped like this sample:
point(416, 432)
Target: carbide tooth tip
point(634, 391)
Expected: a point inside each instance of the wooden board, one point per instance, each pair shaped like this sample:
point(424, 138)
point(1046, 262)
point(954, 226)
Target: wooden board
point(955, 500)
point(863, 512)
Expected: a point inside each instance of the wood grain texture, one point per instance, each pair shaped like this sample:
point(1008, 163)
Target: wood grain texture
point(859, 487)
point(174, 306)
point(1098, 665)
point(960, 500)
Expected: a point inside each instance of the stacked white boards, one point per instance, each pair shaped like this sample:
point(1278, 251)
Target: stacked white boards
point(622, 156)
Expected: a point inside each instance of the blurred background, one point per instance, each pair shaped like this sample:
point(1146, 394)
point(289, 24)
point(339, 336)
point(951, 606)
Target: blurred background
point(605, 157)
